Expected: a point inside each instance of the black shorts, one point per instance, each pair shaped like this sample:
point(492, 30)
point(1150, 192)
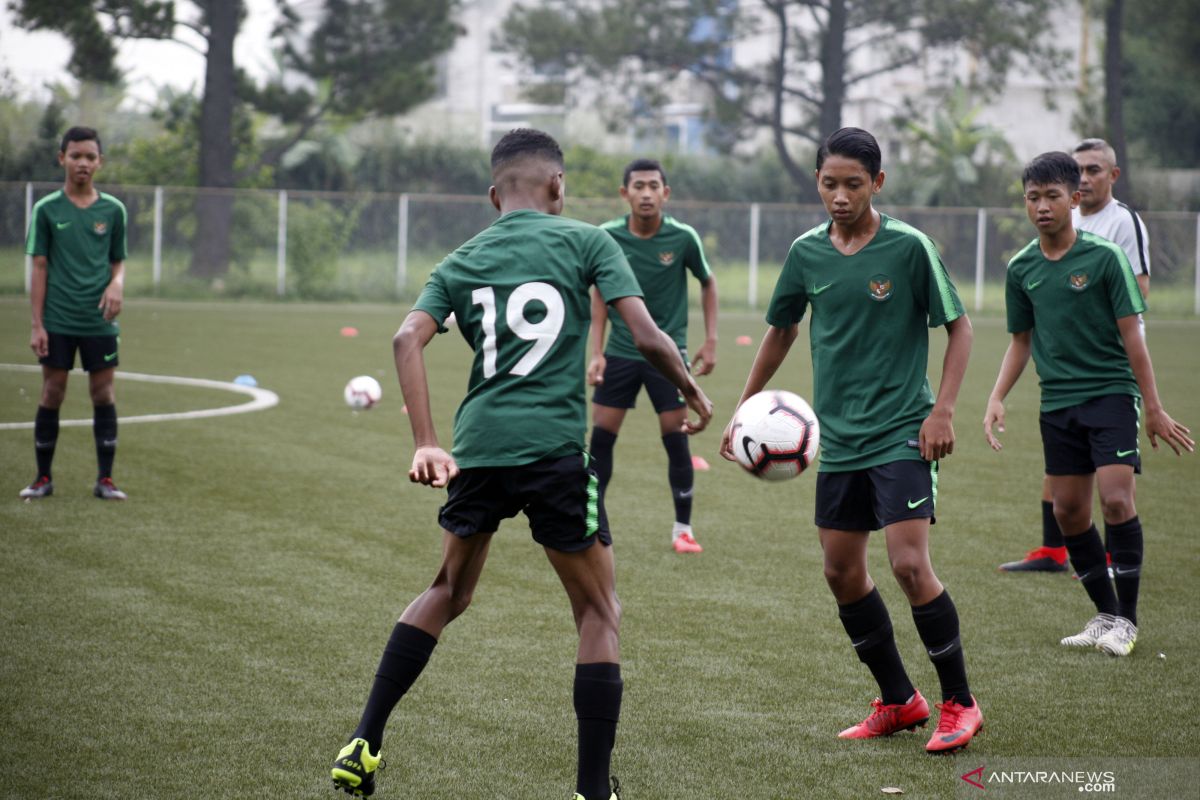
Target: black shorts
point(560, 497)
point(872, 498)
point(96, 353)
point(1104, 430)
point(624, 377)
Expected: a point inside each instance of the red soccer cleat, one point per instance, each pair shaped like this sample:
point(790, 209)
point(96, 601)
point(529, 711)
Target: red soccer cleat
point(885, 720)
point(686, 543)
point(1041, 559)
point(957, 726)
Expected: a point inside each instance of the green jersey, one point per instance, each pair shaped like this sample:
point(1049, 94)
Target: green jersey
point(661, 264)
point(520, 292)
point(80, 245)
point(869, 336)
point(1072, 306)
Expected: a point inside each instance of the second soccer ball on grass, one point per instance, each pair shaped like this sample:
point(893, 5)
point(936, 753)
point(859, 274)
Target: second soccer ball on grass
point(362, 392)
point(775, 435)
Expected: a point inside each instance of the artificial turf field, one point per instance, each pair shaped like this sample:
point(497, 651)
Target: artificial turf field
point(215, 636)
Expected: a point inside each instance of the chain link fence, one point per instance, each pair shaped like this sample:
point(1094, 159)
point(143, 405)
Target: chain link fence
point(301, 245)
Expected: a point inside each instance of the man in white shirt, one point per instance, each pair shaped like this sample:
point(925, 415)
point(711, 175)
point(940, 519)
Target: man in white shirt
point(1104, 215)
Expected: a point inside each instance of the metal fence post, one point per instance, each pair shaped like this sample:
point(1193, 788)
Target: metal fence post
point(28, 222)
point(402, 247)
point(156, 265)
point(980, 255)
point(752, 286)
point(281, 247)
point(1196, 300)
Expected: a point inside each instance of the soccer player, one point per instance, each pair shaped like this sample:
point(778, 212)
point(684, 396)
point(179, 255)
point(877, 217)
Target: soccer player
point(77, 240)
point(661, 251)
point(520, 292)
point(875, 286)
point(1073, 303)
point(1104, 215)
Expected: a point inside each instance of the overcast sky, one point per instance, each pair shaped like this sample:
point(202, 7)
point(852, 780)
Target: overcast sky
point(35, 59)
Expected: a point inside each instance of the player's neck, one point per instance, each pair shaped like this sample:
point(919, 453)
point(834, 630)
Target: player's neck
point(1083, 212)
point(1056, 245)
point(82, 195)
point(848, 239)
point(645, 227)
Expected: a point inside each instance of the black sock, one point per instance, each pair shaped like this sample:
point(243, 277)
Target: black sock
point(1126, 540)
point(406, 654)
point(45, 438)
point(680, 474)
point(870, 629)
point(1051, 534)
point(104, 429)
point(597, 695)
point(601, 448)
point(937, 623)
point(1091, 565)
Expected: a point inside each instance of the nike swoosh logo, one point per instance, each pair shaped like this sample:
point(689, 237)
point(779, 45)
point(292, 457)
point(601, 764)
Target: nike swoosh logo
point(817, 290)
point(686, 495)
point(942, 652)
point(110, 356)
point(1126, 571)
point(915, 503)
point(61, 225)
point(858, 644)
point(1123, 453)
point(1031, 286)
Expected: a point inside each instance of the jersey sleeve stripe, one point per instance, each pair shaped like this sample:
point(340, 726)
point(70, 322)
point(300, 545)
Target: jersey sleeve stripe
point(31, 235)
point(1141, 239)
point(691, 232)
point(1127, 276)
point(936, 268)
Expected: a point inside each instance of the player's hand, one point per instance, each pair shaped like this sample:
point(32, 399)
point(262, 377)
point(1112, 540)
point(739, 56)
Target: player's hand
point(39, 342)
point(433, 466)
point(110, 302)
point(1161, 426)
point(726, 450)
point(994, 416)
point(595, 370)
point(706, 359)
point(937, 435)
point(697, 401)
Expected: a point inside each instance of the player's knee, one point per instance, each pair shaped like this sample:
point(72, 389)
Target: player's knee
point(843, 577)
point(1070, 514)
point(912, 573)
point(1117, 507)
point(602, 613)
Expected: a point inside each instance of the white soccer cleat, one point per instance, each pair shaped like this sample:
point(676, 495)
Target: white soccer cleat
point(1092, 632)
point(1120, 638)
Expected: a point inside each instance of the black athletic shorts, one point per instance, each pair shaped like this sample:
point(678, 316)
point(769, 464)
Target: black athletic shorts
point(872, 498)
point(96, 353)
point(1104, 430)
point(560, 497)
point(624, 377)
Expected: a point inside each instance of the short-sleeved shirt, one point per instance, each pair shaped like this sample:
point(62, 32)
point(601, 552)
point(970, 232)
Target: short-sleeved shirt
point(661, 265)
point(1072, 306)
point(869, 335)
point(80, 245)
point(1119, 223)
point(520, 292)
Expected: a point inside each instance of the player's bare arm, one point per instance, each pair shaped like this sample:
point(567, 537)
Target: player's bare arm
point(1011, 367)
point(660, 350)
point(114, 293)
point(597, 363)
point(937, 431)
point(1159, 424)
point(39, 340)
point(706, 356)
point(431, 465)
point(771, 352)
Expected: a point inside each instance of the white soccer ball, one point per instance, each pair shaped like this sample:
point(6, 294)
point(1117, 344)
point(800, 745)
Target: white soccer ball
point(362, 392)
point(775, 435)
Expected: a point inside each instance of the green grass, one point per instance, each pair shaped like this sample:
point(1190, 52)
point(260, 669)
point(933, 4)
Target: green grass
point(215, 636)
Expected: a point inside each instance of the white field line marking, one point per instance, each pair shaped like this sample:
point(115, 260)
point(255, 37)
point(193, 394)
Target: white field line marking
point(261, 398)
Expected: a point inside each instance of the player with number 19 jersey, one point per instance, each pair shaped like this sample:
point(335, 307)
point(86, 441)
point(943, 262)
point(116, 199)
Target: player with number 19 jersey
point(528, 326)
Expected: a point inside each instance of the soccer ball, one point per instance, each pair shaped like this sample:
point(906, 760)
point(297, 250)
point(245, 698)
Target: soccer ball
point(775, 435)
point(362, 392)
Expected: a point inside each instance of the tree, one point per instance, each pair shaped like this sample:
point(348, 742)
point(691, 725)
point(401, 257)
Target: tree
point(365, 57)
point(817, 51)
point(1161, 82)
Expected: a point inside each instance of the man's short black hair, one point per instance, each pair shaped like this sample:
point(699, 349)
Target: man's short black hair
point(80, 134)
point(1052, 167)
point(852, 143)
point(643, 165)
point(525, 143)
